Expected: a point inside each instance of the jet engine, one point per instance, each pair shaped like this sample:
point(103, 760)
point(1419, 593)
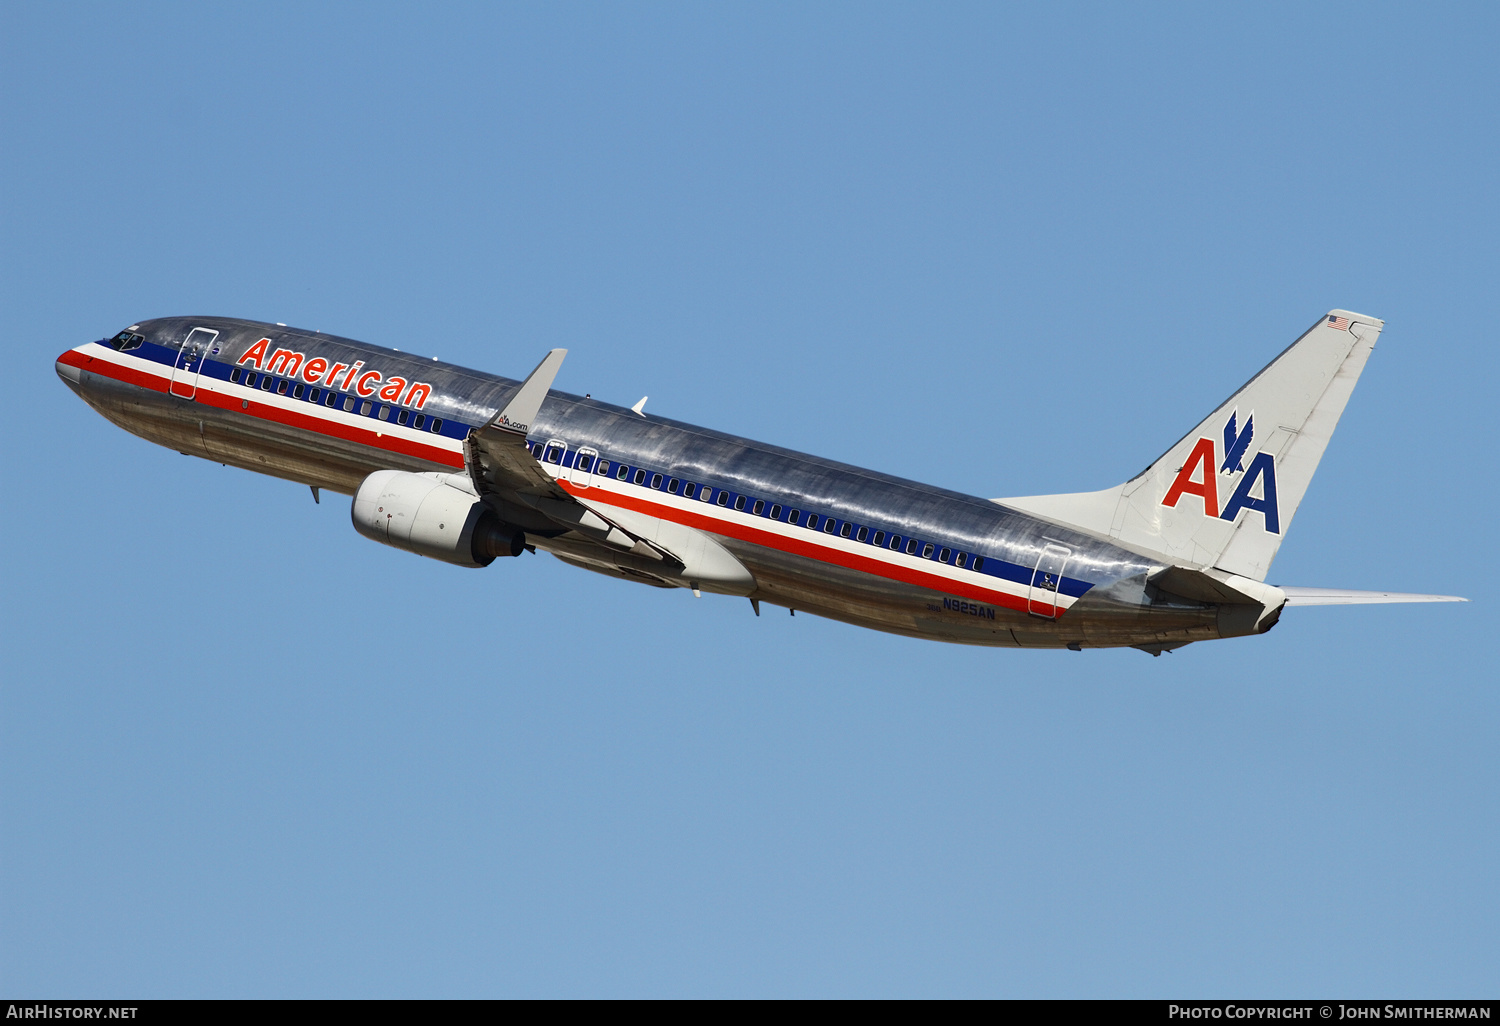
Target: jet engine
point(434, 515)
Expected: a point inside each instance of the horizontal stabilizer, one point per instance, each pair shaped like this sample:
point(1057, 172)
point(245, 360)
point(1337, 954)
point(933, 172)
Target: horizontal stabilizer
point(1246, 606)
point(1215, 586)
point(1344, 597)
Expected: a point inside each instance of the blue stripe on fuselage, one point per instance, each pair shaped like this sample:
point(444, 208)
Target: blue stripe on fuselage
point(452, 427)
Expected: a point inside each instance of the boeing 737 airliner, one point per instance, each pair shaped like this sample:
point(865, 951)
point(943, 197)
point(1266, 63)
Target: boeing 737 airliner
point(465, 467)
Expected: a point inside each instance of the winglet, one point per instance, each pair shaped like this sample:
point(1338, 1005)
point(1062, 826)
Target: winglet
point(523, 406)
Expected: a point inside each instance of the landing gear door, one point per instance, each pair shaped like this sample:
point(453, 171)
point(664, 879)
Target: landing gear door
point(1046, 579)
point(195, 351)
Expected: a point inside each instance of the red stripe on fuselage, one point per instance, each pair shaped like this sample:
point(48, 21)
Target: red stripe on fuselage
point(265, 411)
point(810, 550)
point(129, 375)
point(448, 458)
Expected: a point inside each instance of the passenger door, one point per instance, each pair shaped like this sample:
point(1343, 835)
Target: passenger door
point(1046, 579)
point(195, 351)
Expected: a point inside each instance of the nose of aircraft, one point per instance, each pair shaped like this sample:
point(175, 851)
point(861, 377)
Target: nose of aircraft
point(70, 368)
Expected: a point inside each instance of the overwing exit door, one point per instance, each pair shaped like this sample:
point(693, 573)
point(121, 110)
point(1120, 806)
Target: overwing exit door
point(196, 349)
point(582, 473)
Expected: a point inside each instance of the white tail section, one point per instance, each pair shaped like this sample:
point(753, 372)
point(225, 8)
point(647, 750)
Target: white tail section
point(1225, 494)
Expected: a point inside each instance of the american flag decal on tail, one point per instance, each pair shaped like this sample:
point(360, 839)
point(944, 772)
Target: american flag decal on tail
point(1341, 323)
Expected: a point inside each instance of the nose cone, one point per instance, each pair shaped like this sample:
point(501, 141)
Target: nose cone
point(70, 368)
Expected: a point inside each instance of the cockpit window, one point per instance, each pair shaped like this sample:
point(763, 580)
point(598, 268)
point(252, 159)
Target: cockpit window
point(126, 340)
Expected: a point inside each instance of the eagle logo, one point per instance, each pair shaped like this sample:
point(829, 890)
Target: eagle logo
point(1236, 443)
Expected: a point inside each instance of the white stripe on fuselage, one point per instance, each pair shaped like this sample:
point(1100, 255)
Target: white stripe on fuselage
point(601, 488)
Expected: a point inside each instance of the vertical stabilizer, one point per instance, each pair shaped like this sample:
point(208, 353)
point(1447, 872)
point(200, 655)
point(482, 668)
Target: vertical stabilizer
point(1226, 493)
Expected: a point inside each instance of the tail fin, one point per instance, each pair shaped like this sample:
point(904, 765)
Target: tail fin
point(1225, 494)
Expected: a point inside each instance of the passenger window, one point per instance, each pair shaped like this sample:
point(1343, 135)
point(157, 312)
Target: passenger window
point(437, 426)
point(879, 538)
point(603, 467)
point(911, 546)
point(403, 417)
point(687, 489)
point(365, 408)
point(640, 477)
point(844, 531)
point(793, 515)
point(297, 392)
point(812, 521)
point(739, 504)
point(419, 420)
point(250, 379)
point(927, 551)
point(776, 511)
point(582, 462)
point(706, 494)
point(943, 556)
point(723, 497)
point(673, 485)
point(962, 558)
point(331, 399)
point(758, 507)
point(265, 383)
point(828, 524)
point(348, 403)
point(385, 413)
point(895, 542)
point(281, 388)
point(864, 532)
point(622, 472)
point(978, 563)
point(656, 481)
point(234, 375)
point(554, 454)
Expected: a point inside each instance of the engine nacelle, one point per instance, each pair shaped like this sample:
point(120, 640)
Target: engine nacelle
point(435, 515)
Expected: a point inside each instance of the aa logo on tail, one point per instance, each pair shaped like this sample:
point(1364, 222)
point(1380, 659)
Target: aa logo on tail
point(1197, 476)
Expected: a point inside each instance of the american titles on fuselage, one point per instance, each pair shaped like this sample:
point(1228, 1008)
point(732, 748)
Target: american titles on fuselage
point(291, 363)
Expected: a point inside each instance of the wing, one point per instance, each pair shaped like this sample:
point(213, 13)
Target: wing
point(1343, 597)
point(505, 472)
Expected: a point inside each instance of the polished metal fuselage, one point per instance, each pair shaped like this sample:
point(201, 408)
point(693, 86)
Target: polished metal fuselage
point(1114, 604)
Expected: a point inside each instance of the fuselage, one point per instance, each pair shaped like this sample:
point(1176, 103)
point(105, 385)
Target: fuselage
point(816, 535)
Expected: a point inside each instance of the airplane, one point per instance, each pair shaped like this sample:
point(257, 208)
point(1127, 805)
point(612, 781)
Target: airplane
point(467, 467)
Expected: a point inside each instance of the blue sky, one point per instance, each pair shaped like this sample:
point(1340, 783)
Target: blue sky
point(246, 752)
